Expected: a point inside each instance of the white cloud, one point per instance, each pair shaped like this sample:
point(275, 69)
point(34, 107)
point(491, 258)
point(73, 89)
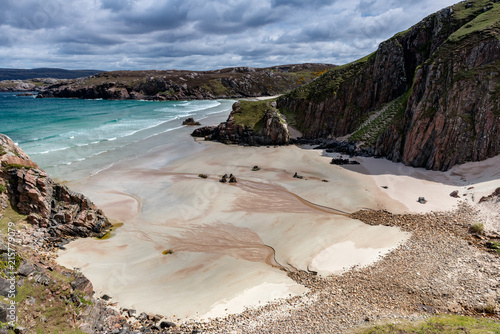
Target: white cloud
point(198, 34)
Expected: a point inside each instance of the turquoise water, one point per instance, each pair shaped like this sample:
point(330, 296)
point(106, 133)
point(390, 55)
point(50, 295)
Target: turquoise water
point(63, 132)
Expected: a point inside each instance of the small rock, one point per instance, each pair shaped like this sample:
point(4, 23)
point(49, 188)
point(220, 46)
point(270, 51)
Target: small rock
point(297, 176)
point(232, 179)
point(203, 176)
point(223, 179)
point(190, 121)
point(26, 269)
point(454, 194)
point(255, 168)
point(167, 324)
point(20, 330)
point(422, 200)
point(3, 312)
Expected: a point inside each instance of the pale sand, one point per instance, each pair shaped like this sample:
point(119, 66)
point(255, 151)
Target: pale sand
point(405, 184)
point(230, 240)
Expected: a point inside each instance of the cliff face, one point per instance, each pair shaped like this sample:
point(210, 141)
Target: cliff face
point(46, 203)
point(180, 85)
point(434, 89)
point(261, 125)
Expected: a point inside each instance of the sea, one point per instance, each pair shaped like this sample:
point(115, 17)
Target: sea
point(73, 138)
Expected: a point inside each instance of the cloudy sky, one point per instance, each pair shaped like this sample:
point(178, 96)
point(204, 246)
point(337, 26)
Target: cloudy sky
point(198, 34)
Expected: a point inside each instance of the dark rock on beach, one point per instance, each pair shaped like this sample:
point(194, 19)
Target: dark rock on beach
point(190, 121)
point(340, 161)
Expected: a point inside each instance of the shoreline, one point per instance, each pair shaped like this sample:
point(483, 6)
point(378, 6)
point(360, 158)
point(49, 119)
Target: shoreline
point(295, 252)
point(183, 173)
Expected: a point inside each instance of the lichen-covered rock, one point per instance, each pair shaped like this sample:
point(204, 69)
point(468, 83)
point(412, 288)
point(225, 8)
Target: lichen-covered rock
point(46, 203)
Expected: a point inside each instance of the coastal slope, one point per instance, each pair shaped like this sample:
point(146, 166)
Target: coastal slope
point(428, 97)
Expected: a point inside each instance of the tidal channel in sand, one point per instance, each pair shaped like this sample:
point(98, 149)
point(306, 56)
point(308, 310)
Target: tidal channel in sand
point(232, 244)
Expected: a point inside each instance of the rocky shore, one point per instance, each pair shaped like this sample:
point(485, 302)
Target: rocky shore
point(449, 265)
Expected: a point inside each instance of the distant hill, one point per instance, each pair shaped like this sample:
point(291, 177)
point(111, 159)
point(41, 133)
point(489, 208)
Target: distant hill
point(57, 73)
point(237, 82)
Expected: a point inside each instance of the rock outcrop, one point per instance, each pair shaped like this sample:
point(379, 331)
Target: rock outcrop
point(434, 87)
point(46, 203)
point(267, 127)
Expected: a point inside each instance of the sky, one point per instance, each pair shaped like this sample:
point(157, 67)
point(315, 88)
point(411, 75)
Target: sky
point(198, 34)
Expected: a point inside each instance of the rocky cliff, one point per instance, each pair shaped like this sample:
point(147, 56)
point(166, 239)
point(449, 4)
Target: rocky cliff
point(251, 123)
point(181, 85)
point(428, 97)
point(47, 204)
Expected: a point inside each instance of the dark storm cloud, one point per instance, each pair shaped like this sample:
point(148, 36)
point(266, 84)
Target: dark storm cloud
point(33, 14)
point(198, 34)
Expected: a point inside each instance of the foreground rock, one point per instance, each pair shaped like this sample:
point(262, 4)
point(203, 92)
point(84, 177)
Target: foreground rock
point(28, 189)
point(258, 124)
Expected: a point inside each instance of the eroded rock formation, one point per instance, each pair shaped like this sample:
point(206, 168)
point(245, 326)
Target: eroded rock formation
point(442, 78)
point(269, 129)
point(46, 203)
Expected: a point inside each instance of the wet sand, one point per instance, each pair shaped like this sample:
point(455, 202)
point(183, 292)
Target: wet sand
point(233, 244)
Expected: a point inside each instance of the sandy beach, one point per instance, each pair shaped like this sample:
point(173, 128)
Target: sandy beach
point(233, 244)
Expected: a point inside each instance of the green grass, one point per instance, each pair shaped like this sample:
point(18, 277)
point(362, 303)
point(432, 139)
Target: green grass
point(460, 12)
point(251, 113)
point(438, 324)
point(7, 166)
point(485, 23)
point(55, 311)
point(2, 189)
point(369, 132)
point(11, 215)
point(477, 228)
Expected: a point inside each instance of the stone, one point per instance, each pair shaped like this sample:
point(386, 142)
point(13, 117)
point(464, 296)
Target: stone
point(167, 324)
point(26, 269)
point(255, 168)
point(422, 200)
point(7, 287)
point(297, 176)
point(20, 330)
point(3, 312)
point(232, 179)
point(203, 176)
point(190, 121)
point(81, 283)
point(454, 194)
point(223, 179)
